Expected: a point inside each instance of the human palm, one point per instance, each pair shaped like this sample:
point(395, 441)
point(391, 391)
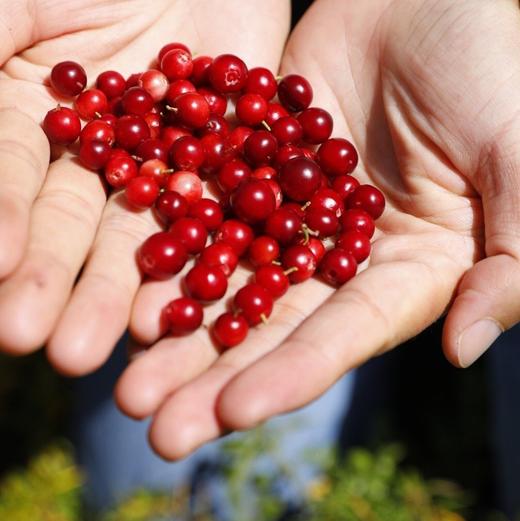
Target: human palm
point(55, 219)
point(426, 92)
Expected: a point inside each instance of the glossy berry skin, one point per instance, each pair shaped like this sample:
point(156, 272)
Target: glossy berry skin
point(253, 201)
point(62, 126)
point(133, 80)
point(337, 267)
point(171, 206)
point(152, 149)
point(228, 73)
point(97, 130)
point(316, 125)
point(263, 250)
point(161, 256)
point(141, 192)
point(254, 302)
point(187, 184)
point(130, 131)
point(236, 234)
point(283, 225)
point(232, 174)
point(216, 101)
point(275, 111)
point(238, 137)
point(260, 147)
point(191, 233)
point(94, 154)
point(177, 64)
point(287, 130)
point(192, 110)
point(344, 185)
point(220, 255)
point(187, 153)
point(355, 243)
point(295, 208)
point(208, 212)
point(322, 221)
point(264, 172)
point(90, 103)
point(285, 153)
point(177, 88)
point(171, 134)
point(261, 81)
point(217, 152)
point(273, 279)
point(300, 178)
point(68, 78)
point(251, 109)
point(216, 124)
point(119, 170)
point(357, 220)
point(301, 258)
point(328, 199)
point(137, 101)
point(277, 192)
point(368, 198)
point(205, 283)
point(295, 92)
point(155, 124)
point(155, 83)
point(199, 74)
point(170, 47)
point(230, 330)
point(316, 246)
point(337, 156)
point(157, 169)
point(111, 83)
point(183, 315)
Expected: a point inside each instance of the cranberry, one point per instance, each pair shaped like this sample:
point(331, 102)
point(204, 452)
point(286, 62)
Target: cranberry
point(287, 130)
point(171, 206)
point(322, 221)
point(176, 88)
point(220, 255)
point(216, 124)
point(152, 149)
point(230, 330)
point(283, 225)
point(355, 243)
point(192, 110)
point(137, 101)
point(327, 199)
point(261, 81)
point(62, 126)
point(315, 245)
point(171, 134)
point(277, 192)
point(357, 220)
point(295, 208)
point(263, 250)
point(187, 153)
point(253, 201)
point(300, 178)
point(338, 267)
point(238, 137)
point(191, 233)
point(133, 80)
point(264, 172)
point(337, 157)
point(119, 170)
point(205, 283)
point(184, 315)
point(216, 101)
point(286, 152)
point(235, 233)
point(316, 125)
point(295, 92)
point(209, 212)
point(162, 256)
point(368, 198)
point(273, 279)
point(130, 131)
point(227, 73)
point(254, 302)
point(111, 83)
point(68, 78)
point(155, 83)
point(97, 130)
point(115, 106)
point(109, 119)
point(344, 185)
point(217, 152)
point(154, 122)
point(232, 174)
point(141, 192)
point(299, 262)
point(260, 147)
point(275, 111)
point(157, 169)
point(251, 109)
point(91, 103)
point(199, 75)
point(170, 47)
point(187, 184)
point(177, 64)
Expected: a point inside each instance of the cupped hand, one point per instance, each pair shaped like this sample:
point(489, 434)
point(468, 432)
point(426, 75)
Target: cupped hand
point(55, 219)
point(428, 92)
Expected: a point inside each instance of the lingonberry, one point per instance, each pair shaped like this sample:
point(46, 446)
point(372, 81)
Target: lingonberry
point(161, 256)
point(192, 110)
point(337, 156)
point(264, 172)
point(228, 73)
point(344, 185)
point(251, 109)
point(209, 212)
point(170, 47)
point(295, 92)
point(368, 198)
point(322, 221)
point(157, 169)
point(199, 74)
point(109, 119)
point(238, 137)
point(119, 170)
point(217, 152)
point(191, 233)
point(263, 250)
point(220, 255)
point(97, 130)
point(137, 101)
point(216, 125)
point(287, 130)
point(171, 206)
point(230, 329)
point(338, 267)
point(273, 279)
point(277, 192)
point(91, 103)
point(94, 154)
point(357, 220)
point(187, 184)
point(253, 201)
point(171, 134)
point(315, 245)
point(155, 83)
point(187, 153)
point(152, 149)
point(231, 174)
point(236, 234)
point(283, 225)
point(316, 125)
point(296, 208)
point(130, 131)
point(216, 101)
point(260, 147)
point(329, 200)
point(133, 80)
point(177, 88)
point(62, 126)
point(286, 152)
point(115, 106)
point(183, 315)
point(355, 243)
point(261, 81)
point(300, 178)
point(177, 64)
point(275, 111)
point(205, 283)
point(254, 302)
point(141, 192)
point(299, 263)
point(68, 78)
point(111, 83)
point(155, 124)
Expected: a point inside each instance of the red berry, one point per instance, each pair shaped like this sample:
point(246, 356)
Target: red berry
point(316, 246)
point(232, 174)
point(260, 147)
point(220, 255)
point(251, 109)
point(152, 149)
point(162, 256)
point(344, 185)
point(177, 64)
point(155, 124)
point(238, 137)
point(216, 124)
point(264, 172)
point(62, 126)
point(277, 192)
point(94, 154)
point(355, 243)
point(137, 101)
point(217, 151)
point(68, 78)
point(273, 279)
point(192, 110)
point(328, 199)
point(176, 88)
point(155, 83)
point(97, 130)
point(357, 220)
point(285, 153)
point(184, 315)
point(171, 134)
point(170, 47)
point(119, 170)
point(368, 198)
point(337, 157)
point(209, 212)
point(322, 221)
point(263, 250)
point(111, 83)
point(300, 178)
point(295, 92)
point(171, 206)
point(157, 169)
point(90, 103)
point(283, 225)
point(295, 208)
point(187, 153)
point(199, 75)
point(287, 130)
point(338, 267)
point(141, 192)
point(187, 184)
point(230, 330)
point(205, 283)
point(132, 80)
point(109, 119)
point(216, 101)
point(300, 262)
point(130, 131)
point(228, 73)
point(261, 81)
point(316, 125)
point(191, 233)
point(275, 111)
point(235, 233)
point(253, 201)
point(254, 302)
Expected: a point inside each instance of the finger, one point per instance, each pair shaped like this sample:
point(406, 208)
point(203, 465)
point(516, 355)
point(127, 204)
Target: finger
point(99, 308)
point(64, 219)
point(24, 159)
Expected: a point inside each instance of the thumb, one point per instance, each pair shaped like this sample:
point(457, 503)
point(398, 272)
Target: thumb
point(488, 298)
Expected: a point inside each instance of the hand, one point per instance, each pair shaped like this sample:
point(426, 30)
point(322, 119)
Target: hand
point(54, 218)
point(428, 91)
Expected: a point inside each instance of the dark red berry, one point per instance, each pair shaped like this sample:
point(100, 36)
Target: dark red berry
point(68, 78)
point(91, 103)
point(283, 225)
point(97, 130)
point(205, 283)
point(286, 152)
point(322, 221)
point(209, 212)
point(184, 315)
point(191, 233)
point(273, 279)
point(200, 73)
point(155, 83)
point(355, 243)
point(235, 233)
point(137, 101)
point(157, 169)
point(254, 302)
point(177, 64)
point(228, 73)
point(176, 88)
point(327, 199)
point(161, 256)
point(368, 198)
point(337, 156)
point(263, 250)
point(287, 130)
point(155, 124)
point(141, 192)
point(192, 110)
point(111, 83)
point(238, 137)
point(94, 154)
point(357, 220)
point(295, 92)
point(216, 101)
point(187, 153)
point(152, 149)
point(316, 125)
point(261, 81)
point(217, 152)
point(230, 330)
point(232, 174)
point(344, 185)
point(170, 47)
point(216, 124)
point(251, 109)
point(315, 245)
point(119, 170)
point(130, 131)
point(253, 201)
point(260, 147)
point(300, 178)
point(275, 111)
point(338, 267)
point(171, 206)
point(171, 134)
point(220, 255)
point(264, 172)
point(62, 126)
point(299, 263)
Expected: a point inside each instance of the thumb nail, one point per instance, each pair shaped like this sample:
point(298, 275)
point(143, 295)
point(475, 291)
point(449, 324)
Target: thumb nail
point(476, 339)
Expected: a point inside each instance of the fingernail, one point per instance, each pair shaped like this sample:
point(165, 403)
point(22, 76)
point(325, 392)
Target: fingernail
point(476, 339)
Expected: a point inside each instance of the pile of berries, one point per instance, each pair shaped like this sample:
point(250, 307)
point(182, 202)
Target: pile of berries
point(283, 197)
